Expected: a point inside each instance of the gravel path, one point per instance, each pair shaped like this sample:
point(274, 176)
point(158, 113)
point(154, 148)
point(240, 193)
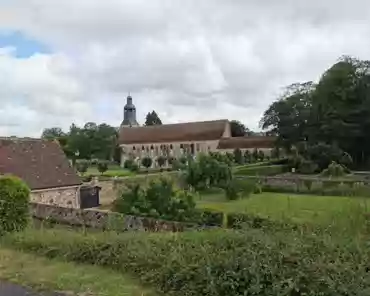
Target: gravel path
point(8, 289)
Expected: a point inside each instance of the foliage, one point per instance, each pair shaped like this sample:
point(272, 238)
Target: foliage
point(161, 160)
point(152, 118)
point(238, 156)
point(87, 142)
point(146, 162)
point(14, 199)
point(261, 156)
point(334, 170)
point(82, 166)
point(238, 188)
point(159, 200)
point(217, 263)
point(247, 156)
point(255, 154)
point(333, 112)
point(307, 167)
point(102, 166)
point(265, 170)
point(238, 129)
point(207, 172)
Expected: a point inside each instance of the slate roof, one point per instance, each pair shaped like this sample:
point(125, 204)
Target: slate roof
point(41, 164)
point(247, 142)
point(179, 132)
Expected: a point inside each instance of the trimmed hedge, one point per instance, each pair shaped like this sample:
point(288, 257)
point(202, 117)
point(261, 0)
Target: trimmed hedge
point(217, 263)
point(269, 170)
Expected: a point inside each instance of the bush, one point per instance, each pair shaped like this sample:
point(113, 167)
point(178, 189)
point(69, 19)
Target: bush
point(102, 166)
point(14, 199)
point(159, 200)
point(334, 170)
point(307, 167)
point(147, 162)
point(161, 160)
point(238, 188)
point(238, 156)
point(269, 170)
point(210, 218)
point(216, 263)
point(82, 166)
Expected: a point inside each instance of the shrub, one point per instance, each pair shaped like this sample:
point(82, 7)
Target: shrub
point(159, 200)
point(210, 218)
point(82, 166)
point(247, 157)
point(238, 156)
point(14, 199)
point(238, 188)
point(307, 167)
point(261, 155)
point(128, 163)
point(334, 170)
point(102, 166)
point(216, 263)
point(147, 162)
point(161, 160)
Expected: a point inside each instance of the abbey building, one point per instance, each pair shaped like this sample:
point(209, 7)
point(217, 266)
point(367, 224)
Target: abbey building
point(176, 140)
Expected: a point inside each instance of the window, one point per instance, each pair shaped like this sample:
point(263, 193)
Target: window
point(171, 147)
point(133, 148)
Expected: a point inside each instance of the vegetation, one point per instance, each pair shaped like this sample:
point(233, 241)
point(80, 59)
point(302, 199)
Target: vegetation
point(261, 170)
point(51, 275)
point(257, 262)
point(152, 118)
point(14, 199)
point(146, 162)
point(331, 118)
point(160, 199)
point(102, 167)
point(82, 166)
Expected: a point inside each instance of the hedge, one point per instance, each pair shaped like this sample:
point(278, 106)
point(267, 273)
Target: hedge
point(269, 170)
point(14, 199)
point(216, 263)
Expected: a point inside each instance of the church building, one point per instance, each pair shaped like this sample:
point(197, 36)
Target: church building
point(179, 139)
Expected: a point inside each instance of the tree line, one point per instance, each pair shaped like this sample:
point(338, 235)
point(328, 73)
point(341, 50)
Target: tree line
point(328, 119)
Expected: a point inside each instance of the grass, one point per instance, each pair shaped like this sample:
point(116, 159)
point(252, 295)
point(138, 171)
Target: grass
point(321, 210)
point(53, 275)
point(111, 172)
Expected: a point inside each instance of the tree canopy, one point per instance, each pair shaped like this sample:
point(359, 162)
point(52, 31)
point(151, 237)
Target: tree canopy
point(238, 129)
point(152, 118)
point(335, 111)
point(91, 141)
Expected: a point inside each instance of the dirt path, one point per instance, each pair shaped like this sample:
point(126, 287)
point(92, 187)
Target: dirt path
point(8, 289)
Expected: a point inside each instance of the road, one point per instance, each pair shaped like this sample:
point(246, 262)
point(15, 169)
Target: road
point(8, 289)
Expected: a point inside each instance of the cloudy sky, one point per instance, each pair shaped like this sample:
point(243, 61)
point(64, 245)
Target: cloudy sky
point(75, 61)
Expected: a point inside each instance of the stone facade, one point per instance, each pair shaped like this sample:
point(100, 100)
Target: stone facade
point(67, 197)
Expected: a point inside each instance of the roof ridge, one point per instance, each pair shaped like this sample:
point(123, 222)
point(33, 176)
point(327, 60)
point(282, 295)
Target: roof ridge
point(177, 123)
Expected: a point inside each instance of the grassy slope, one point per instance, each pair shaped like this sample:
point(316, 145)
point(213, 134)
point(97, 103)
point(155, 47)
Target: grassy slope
point(52, 275)
point(321, 210)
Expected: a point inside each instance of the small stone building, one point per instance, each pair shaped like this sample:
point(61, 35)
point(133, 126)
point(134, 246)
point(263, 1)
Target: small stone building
point(176, 140)
point(43, 166)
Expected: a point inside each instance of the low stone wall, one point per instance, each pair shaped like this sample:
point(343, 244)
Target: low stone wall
point(104, 220)
point(67, 197)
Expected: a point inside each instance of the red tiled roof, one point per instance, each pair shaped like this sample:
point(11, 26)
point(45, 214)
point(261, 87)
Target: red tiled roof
point(41, 164)
point(246, 142)
point(180, 132)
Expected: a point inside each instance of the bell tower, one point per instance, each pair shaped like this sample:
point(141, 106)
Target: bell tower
point(129, 114)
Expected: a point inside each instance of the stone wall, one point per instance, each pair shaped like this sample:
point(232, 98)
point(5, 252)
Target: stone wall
point(67, 197)
point(104, 220)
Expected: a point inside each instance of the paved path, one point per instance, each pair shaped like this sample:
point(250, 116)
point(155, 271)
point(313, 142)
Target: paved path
point(8, 289)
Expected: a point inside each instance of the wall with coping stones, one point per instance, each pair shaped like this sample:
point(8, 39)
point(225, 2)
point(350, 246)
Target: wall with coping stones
point(104, 220)
point(63, 197)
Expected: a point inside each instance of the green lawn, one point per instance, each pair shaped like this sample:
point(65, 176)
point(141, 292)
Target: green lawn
point(111, 172)
point(323, 210)
point(73, 279)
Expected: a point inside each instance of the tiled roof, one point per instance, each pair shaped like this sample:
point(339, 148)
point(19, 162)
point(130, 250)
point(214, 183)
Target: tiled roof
point(41, 164)
point(180, 132)
point(246, 142)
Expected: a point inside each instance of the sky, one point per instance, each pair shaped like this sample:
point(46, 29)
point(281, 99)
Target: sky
point(64, 62)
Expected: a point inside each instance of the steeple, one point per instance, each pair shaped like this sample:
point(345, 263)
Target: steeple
point(129, 113)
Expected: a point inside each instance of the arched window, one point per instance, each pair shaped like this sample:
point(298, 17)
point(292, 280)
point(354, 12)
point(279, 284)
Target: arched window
point(143, 148)
point(171, 147)
point(151, 147)
point(133, 148)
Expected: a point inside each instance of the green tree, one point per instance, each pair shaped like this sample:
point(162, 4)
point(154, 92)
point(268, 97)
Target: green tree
point(161, 160)
point(102, 166)
point(152, 118)
point(52, 133)
point(238, 156)
point(238, 129)
point(82, 166)
point(147, 162)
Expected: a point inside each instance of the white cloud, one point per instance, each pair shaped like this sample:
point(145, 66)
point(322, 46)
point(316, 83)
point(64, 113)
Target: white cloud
point(188, 60)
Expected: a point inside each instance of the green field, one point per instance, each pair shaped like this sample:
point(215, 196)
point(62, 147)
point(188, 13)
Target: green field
point(322, 210)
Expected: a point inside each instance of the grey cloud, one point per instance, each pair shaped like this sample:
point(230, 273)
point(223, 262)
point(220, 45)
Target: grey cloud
point(189, 60)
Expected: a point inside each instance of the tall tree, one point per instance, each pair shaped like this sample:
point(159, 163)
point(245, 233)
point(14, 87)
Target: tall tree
point(238, 129)
point(52, 133)
point(152, 118)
